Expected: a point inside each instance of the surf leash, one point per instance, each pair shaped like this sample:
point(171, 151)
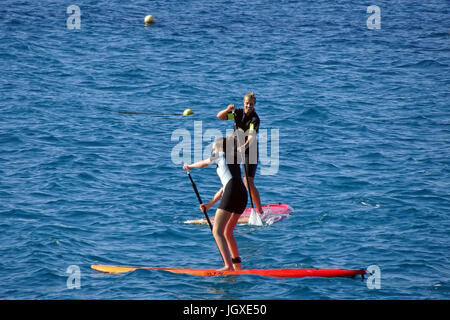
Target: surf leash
point(186, 112)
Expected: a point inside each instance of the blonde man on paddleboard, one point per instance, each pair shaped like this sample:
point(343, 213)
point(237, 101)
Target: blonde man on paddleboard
point(247, 119)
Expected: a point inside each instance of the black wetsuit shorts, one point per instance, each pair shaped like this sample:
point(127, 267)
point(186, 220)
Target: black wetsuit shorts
point(234, 197)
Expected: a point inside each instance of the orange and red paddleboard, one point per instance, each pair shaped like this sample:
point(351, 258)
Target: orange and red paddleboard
point(279, 273)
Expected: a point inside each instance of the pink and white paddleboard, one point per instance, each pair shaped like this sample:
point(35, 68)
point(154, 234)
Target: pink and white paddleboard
point(273, 213)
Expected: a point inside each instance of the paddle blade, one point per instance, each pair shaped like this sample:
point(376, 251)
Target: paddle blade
point(254, 219)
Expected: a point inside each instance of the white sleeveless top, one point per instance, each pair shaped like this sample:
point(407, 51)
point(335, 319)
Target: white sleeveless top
point(222, 168)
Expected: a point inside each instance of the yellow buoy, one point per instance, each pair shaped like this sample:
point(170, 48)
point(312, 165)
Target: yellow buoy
point(149, 19)
point(188, 112)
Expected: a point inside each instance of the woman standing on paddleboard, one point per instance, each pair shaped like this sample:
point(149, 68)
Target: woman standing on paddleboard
point(247, 120)
point(233, 203)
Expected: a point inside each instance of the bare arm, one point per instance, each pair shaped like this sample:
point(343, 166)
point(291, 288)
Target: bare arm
point(199, 164)
point(216, 198)
point(223, 115)
point(247, 143)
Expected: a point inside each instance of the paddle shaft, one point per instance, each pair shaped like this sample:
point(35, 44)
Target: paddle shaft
point(206, 214)
point(243, 159)
point(199, 199)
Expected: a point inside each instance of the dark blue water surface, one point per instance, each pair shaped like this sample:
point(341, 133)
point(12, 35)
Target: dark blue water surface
point(363, 118)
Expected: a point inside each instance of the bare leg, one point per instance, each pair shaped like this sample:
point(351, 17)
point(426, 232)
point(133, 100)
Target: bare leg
point(232, 244)
point(220, 222)
point(254, 192)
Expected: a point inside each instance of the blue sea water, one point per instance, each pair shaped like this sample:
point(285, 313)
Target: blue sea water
point(364, 154)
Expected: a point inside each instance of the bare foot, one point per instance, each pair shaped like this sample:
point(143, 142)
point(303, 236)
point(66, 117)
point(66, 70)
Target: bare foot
point(237, 266)
point(226, 269)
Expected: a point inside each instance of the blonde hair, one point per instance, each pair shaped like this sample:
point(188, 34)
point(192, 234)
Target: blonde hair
point(226, 145)
point(251, 96)
point(222, 143)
